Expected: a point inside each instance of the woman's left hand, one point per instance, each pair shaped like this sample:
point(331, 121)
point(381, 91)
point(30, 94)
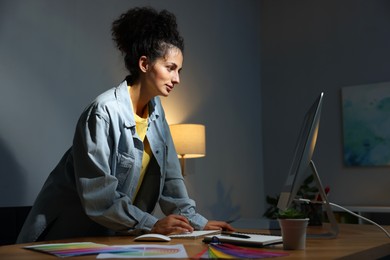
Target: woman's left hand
point(218, 225)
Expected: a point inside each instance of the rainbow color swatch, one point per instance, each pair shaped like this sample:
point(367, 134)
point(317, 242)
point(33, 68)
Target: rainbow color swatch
point(75, 249)
point(228, 251)
point(149, 251)
point(105, 251)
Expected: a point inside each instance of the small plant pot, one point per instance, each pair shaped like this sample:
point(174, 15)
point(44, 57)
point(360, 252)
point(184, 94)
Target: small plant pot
point(294, 233)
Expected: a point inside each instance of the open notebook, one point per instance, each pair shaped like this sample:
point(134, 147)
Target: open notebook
point(196, 234)
point(244, 239)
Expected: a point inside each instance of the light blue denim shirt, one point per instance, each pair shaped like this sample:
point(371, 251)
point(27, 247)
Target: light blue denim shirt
point(92, 191)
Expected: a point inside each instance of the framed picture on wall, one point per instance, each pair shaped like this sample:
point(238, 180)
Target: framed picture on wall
point(366, 124)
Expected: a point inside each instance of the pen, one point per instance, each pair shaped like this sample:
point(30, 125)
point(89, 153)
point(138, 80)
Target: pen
point(235, 235)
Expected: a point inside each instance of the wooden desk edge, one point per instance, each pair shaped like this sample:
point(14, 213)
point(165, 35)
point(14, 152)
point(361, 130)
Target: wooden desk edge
point(354, 242)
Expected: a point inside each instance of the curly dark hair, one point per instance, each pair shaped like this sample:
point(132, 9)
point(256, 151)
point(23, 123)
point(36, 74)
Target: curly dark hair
point(143, 31)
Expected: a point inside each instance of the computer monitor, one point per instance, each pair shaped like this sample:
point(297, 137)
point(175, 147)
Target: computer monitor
point(302, 162)
point(303, 153)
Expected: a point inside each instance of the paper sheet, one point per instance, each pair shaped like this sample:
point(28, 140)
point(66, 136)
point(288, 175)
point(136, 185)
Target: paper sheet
point(196, 234)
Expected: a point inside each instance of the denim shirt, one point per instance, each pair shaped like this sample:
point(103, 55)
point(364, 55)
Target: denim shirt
point(92, 191)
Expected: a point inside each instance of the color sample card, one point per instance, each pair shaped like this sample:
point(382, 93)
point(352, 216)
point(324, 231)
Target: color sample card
point(74, 249)
point(105, 251)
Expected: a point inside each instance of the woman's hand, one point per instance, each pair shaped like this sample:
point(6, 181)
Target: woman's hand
point(218, 225)
point(172, 224)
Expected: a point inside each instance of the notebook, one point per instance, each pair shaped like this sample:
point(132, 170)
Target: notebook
point(244, 239)
point(196, 234)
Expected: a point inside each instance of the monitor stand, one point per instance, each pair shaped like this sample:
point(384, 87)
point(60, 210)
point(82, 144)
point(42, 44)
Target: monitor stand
point(334, 228)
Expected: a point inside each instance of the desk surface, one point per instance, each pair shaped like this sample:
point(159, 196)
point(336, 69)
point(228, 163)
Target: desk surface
point(354, 242)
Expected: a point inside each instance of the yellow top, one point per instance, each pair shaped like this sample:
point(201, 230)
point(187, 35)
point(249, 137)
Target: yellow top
point(141, 128)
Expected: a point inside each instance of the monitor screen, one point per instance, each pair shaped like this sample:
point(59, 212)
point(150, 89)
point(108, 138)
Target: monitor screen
point(302, 155)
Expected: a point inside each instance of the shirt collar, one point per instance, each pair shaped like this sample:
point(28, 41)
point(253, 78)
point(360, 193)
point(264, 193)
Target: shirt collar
point(124, 103)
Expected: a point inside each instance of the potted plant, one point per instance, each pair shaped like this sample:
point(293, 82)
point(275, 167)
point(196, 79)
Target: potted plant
point(291, 213)
point(309, 190)
point(293, 223)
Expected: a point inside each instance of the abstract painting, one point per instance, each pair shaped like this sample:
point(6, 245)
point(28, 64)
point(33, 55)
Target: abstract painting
point(366, 124)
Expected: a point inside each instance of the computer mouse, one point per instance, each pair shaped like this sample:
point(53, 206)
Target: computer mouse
point(153, 237)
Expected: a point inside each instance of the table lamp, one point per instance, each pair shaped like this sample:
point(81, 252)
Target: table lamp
point(189, 140)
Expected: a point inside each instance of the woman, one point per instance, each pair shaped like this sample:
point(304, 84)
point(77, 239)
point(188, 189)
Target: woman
point(123, 161)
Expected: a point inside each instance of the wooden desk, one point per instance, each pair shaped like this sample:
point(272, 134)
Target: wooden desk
point(354, 242)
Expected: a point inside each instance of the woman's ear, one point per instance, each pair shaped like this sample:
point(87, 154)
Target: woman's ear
point(143, 63)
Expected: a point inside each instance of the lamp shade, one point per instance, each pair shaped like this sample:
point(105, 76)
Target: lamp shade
point(189, 140)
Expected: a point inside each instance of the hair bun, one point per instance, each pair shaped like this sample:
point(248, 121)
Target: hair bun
point(143, 31)
point(142, 23)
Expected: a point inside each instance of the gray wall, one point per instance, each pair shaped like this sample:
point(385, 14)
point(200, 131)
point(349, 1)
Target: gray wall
point(56, 56)
point(314, 46)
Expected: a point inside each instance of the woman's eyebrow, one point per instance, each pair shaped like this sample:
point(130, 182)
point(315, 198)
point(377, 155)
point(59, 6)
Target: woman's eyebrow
point(175, 65)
